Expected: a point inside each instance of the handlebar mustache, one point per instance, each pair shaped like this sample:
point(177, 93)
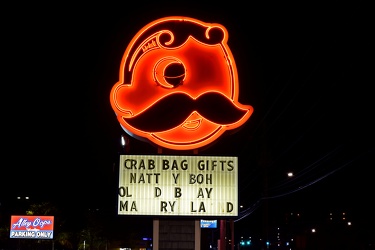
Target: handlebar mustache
point(172, 110)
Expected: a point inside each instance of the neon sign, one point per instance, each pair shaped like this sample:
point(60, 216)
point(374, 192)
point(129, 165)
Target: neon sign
point(178, 84)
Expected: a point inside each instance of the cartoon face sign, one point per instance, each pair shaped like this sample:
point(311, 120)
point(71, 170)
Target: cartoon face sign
point(178, 85)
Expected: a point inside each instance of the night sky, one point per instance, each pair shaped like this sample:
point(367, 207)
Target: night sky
point(305, 69)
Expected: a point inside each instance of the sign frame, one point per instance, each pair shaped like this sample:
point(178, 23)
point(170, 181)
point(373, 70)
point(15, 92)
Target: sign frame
point(178, 185)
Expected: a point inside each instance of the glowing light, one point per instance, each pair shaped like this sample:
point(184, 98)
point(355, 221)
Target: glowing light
point(178, 85)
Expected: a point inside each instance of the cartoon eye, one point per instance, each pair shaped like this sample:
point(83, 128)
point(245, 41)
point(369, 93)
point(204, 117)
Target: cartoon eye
point(174, 74)
point(169, 72)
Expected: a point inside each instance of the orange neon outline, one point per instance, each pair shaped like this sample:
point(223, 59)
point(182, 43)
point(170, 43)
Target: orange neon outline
point(209, 67)
point(157, 75)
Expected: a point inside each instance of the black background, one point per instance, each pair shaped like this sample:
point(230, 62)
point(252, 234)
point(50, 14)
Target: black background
point(304, 67)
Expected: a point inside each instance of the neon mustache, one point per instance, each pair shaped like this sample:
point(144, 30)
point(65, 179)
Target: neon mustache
point(174, 109)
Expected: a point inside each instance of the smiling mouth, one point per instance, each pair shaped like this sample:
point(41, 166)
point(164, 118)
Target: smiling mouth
point(192, 124)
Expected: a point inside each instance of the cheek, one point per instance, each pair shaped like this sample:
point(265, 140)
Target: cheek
point(189, 136)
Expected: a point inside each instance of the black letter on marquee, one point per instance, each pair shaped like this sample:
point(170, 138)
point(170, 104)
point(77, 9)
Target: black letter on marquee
point(177, 192)
point(229, 207)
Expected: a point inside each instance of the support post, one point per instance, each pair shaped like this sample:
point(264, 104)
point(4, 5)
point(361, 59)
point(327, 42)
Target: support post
point(223, 233)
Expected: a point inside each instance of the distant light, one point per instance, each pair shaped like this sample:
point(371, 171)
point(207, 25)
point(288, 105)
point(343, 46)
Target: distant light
point(26, 197)
point(313, 230)
point(349, 223)
point(290, 174)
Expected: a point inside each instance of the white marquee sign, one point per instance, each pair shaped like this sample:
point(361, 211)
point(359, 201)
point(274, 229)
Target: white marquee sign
point(178, 185)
